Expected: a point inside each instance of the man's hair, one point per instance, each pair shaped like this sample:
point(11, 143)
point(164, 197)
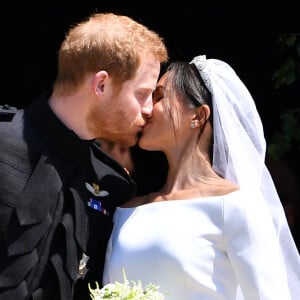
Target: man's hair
point(105, 41)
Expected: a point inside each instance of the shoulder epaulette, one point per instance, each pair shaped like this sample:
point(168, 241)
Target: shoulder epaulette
point(7, 112)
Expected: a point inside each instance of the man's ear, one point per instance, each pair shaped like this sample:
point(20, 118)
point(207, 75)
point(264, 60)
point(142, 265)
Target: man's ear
point(99, 81)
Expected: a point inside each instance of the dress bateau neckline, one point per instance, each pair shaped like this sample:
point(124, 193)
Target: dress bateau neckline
point(179, 200)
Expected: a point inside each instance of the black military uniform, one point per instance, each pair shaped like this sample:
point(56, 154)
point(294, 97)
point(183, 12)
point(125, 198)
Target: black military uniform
point(57, 197)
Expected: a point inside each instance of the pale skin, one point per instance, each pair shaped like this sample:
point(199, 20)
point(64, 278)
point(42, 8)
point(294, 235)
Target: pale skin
point(97, 110)
point(190, 173)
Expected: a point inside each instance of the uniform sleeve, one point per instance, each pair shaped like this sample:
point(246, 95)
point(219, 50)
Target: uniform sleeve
point(253, 249)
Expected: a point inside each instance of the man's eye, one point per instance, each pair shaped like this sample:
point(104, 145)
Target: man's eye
point(143, 95)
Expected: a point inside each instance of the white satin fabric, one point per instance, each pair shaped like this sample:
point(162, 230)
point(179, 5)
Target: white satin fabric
point(200, 248)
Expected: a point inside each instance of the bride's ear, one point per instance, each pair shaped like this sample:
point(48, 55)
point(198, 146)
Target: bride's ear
point(203, 113)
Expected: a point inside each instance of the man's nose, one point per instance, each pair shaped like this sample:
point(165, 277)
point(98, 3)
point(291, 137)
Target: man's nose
point(148, 107)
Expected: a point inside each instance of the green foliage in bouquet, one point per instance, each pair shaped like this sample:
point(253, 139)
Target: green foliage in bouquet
point(126, 291)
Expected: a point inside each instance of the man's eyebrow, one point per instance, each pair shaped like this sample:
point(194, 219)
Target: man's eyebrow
point(146, 89)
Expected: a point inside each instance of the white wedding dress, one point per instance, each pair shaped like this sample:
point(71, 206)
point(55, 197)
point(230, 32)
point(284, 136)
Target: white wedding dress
point(199, 249)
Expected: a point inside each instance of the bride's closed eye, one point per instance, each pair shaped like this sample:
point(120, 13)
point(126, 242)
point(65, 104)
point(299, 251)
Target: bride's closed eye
point(158, 94)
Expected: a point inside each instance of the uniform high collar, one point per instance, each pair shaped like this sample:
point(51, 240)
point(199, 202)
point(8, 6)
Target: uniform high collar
point(53, 132)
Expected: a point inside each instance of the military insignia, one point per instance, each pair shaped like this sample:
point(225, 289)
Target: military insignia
point(95, 190)
point(82, 269)
point(97, 205)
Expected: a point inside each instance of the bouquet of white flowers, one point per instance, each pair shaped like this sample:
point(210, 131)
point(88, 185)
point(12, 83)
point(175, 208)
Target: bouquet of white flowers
point(125, 291)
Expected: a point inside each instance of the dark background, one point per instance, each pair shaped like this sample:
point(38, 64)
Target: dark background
point(244, 34)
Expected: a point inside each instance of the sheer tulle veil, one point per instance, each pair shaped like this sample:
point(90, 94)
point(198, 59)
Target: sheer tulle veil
point(239, 153)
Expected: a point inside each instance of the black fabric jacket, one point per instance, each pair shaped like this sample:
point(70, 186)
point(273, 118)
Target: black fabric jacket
point(48, 219)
